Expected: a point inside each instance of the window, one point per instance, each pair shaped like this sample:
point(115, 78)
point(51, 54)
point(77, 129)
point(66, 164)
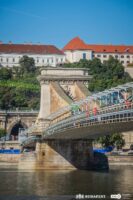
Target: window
point(128, 56)
point(84, 55)
point(37, 60)
point(98, 56)
point(47, 60)
point(13, 60)
point(1, 59)
point(42, 60)
point(56, 59)
point(122, 62)
point(128, 62)
point(52, 60)
point(116, 56)
point(122, 56)
point(7, 60)
point(104, 56)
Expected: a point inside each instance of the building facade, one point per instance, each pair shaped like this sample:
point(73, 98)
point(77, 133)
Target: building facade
point(77, 49)
point(44, 55)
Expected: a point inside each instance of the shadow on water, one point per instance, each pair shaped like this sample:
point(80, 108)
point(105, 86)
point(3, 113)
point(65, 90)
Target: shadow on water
point(100, 162)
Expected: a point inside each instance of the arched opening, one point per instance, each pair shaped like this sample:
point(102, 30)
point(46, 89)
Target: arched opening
point(15, 130)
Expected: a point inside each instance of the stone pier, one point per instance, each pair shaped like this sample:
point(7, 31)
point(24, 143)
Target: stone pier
point(60, 154)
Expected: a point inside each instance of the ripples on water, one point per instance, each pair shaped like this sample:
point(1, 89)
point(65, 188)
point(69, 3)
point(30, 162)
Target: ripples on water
point(18, 184)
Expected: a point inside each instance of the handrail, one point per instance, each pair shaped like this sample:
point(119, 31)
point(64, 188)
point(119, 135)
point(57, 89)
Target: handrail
point(94, 97)
point(71, 121)
point(19, 111)
point(29, 140)
point(102, 110)
point(92, 122)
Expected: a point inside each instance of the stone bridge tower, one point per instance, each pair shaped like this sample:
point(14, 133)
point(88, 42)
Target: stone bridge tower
point(60, 87)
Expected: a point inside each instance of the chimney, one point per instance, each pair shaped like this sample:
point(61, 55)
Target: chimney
point(10, 42)
point(29, 43)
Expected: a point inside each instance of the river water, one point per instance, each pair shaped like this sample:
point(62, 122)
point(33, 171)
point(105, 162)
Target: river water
point(18, 184)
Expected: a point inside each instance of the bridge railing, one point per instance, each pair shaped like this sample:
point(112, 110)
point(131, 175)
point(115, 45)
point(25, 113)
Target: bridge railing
point(103, 110)
point(19, 111)
point(117, 117)
point(106, 115)
point(105, 98)
point(30, 140)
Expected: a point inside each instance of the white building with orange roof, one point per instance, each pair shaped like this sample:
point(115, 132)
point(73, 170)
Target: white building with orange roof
point(77, 49)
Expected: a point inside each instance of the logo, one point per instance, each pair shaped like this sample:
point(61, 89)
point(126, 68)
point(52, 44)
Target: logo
point(115, 196)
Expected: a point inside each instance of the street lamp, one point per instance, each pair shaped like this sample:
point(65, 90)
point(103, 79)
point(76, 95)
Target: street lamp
point(6, 117)
point(6, 120)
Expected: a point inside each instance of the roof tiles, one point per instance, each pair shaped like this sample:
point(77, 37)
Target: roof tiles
point(78, 44)
point(29, 49)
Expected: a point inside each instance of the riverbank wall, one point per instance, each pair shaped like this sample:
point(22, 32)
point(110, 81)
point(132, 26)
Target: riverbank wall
point(120, 160)
point(11, 158)
point(29, 160)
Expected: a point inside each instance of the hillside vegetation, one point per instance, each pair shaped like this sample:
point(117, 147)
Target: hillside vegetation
point(20, 89)
point(105, 75)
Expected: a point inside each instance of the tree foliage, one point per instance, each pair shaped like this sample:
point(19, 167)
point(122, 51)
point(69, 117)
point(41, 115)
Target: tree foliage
point(112, 140)
point(105, 75)
point(27, 65)
point(5, 74)
point(2, 132)
point(19, 87)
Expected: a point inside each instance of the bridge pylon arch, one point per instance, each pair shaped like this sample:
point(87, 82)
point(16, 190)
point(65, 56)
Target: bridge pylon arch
point(60, 87)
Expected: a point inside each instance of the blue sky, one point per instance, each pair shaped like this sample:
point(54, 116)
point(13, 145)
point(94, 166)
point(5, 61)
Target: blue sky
point(58, 21)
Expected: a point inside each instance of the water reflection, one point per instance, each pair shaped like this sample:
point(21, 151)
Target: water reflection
point(40, 183)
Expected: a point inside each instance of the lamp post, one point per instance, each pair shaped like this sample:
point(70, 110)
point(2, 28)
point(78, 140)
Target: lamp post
point(6, 116)
point(6, 119)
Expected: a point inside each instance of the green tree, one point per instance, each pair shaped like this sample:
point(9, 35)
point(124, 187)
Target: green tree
point(109, 74)
point(105, 75)
point(5, 73)
point(115, 139)
point(27, 64)
point(2, 132)
point(16, 71)
point(105, 141)
point(19, 87)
